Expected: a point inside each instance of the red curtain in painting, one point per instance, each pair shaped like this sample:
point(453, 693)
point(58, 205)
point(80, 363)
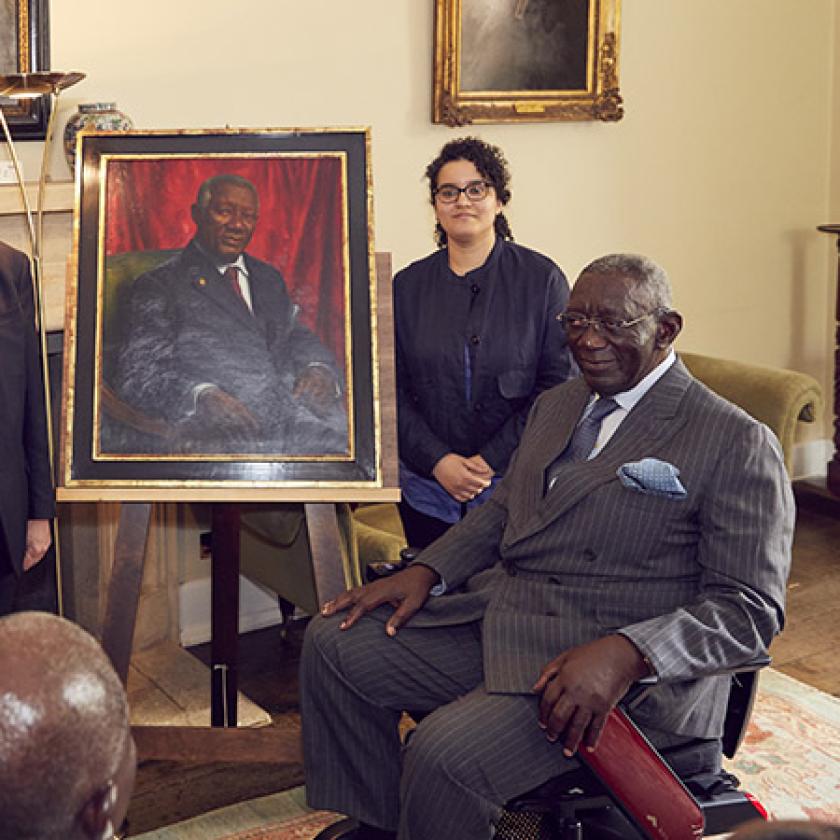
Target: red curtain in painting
point(299, 230)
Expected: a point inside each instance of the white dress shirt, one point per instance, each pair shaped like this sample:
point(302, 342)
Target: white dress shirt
point(626, 401)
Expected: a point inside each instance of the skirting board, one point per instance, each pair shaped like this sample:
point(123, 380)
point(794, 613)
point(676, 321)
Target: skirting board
point(257, 608)
point(810, 458)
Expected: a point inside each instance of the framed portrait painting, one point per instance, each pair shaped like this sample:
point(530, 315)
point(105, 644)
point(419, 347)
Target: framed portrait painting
point(24, 48)
point(221, 331)
point(499, 61)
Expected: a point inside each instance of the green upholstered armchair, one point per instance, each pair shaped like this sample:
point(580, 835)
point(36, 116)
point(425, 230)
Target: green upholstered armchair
point(274, 551)
point(379, 533)
point(778, 398)
point(274, 547)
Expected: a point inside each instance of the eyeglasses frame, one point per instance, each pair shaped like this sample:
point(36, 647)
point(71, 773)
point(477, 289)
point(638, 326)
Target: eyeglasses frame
point(488, 184)
point(597, 323)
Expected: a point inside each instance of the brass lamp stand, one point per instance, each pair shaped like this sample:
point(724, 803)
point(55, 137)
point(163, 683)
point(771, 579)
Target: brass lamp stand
point(31, 86)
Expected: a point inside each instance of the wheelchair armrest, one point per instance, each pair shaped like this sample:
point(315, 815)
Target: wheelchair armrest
point(641, 688)
point(409, 554)
point(374, 571)
point(739, 705)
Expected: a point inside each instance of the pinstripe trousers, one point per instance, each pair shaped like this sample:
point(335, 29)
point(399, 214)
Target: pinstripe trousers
point(474, 752)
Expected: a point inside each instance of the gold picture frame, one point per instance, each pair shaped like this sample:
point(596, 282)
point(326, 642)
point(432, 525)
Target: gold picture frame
point(313, 250)
point(24, 48)
point(509, 61)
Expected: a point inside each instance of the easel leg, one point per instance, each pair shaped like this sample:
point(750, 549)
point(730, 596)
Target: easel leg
point(224, 614)
point(124, 586)
point(325, 546)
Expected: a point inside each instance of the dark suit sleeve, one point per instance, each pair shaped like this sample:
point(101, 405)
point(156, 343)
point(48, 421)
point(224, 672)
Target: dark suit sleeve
point(746, 526)
point(150, 376)
point(307, 350)
point(469, 546)
point(36, 447)
point(294, 346)
point(555, 365)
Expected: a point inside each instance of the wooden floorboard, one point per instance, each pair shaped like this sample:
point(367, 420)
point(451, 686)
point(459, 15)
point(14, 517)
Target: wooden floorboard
point(807, 649)
point(260, 745)
point(168, 791)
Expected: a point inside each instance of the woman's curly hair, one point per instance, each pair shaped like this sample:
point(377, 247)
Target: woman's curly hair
point(491, 165)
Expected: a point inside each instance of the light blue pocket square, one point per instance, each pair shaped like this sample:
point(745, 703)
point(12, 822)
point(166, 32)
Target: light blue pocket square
point(652, 476)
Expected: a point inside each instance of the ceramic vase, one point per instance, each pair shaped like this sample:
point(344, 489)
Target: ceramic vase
point(99, 116)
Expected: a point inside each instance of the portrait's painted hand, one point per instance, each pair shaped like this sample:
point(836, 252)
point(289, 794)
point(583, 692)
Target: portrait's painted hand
point(38, 540)
point(579, 688)
point(316, 385)
point(226, 413)
point(407, 591)
point(461, 477)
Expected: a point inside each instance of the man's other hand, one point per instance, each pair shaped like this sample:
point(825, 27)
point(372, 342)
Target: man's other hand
point(38, 539)
point(406, 590)
point(579, 688)
point(316, 386)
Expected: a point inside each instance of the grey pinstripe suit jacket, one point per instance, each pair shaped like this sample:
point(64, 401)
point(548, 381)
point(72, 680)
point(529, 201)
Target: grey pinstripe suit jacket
point(696, 583)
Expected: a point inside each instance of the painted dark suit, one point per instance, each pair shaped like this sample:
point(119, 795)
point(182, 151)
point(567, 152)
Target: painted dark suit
point(186, 328)
point(26, 490)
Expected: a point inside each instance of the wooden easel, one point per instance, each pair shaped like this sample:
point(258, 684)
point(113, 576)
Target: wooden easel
point(220, 742)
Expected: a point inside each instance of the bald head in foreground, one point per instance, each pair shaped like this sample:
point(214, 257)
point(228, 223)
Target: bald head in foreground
point(67, 758)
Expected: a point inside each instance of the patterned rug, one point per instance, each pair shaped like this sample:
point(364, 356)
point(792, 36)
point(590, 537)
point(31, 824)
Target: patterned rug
point(790, 760)
point(298, 828)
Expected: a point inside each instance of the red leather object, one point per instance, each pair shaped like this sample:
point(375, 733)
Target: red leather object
point(647, 790)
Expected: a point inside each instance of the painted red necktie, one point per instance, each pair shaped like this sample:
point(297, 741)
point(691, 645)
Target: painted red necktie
point(232, 275)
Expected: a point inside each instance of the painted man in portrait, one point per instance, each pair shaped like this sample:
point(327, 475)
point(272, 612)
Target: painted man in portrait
point(213, 356)
point(512, 45)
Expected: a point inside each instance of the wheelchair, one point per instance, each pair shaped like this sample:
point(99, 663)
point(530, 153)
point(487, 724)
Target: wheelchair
point(627, 790)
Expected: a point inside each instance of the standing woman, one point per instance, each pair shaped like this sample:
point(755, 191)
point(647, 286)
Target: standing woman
point(477, 341)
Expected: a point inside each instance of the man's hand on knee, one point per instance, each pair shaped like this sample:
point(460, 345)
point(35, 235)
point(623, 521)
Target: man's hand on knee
point(407, 591)
point(579, 687)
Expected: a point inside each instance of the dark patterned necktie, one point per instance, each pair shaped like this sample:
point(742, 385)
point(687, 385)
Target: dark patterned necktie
point(232, 276)
point(583, 439)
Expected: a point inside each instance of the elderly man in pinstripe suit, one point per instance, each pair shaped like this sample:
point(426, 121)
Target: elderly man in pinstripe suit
point(664, 547)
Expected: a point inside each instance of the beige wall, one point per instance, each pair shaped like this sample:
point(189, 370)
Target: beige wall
point(721, 168)
point(834, 194)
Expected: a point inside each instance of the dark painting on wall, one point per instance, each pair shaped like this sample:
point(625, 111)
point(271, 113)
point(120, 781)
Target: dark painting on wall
point(534, 45)
point(223, 326)
point(24, 48)
point(526, 60)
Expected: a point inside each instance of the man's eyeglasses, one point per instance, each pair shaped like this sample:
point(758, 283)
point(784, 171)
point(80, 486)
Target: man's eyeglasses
point(474, 191)
point(576, 323)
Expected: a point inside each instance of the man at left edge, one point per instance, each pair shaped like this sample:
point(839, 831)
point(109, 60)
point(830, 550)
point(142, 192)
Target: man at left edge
point(27, 500)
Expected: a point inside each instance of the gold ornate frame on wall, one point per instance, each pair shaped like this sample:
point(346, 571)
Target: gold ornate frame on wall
point(594, 96)
point(29, 42)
